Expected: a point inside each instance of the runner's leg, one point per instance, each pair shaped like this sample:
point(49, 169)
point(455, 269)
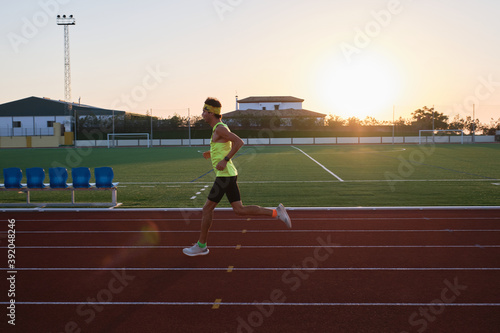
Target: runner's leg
point(250, 210)
point(206, 220)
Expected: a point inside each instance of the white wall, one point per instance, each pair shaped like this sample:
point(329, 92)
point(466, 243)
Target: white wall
point(291, 141)
point(270, 106)
point(30, 123)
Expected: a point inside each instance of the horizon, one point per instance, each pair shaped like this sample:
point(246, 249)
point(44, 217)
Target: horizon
point(347, 59)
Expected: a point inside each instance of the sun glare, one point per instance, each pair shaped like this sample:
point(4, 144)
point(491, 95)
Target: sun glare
point(360, 89)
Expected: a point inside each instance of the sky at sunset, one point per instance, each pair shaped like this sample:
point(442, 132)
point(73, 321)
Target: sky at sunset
point(348, 58)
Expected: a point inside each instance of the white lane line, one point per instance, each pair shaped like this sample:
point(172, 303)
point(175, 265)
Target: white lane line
point(256, 303)
point(224, 269)
point(323, 219)
point(308, 231)
point(321, 165)
point(254, 246)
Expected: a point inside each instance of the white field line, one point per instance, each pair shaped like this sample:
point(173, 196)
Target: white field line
point(317, 181)
point(321, 165)
point(199, 192)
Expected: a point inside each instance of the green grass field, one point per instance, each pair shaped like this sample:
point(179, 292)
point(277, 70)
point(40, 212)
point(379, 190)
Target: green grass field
point(372, 175)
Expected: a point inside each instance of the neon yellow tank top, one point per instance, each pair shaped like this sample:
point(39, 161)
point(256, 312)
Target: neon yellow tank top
point(218, 150)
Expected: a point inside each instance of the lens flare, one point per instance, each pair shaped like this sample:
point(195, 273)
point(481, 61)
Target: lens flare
point(149, 234)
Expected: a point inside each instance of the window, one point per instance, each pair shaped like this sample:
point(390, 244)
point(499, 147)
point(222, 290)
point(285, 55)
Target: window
point(16, 124)
point(277, 107)
point(263, 108)
point(50, 123)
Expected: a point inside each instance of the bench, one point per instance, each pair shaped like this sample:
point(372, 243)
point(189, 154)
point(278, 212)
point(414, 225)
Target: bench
point(58, 177)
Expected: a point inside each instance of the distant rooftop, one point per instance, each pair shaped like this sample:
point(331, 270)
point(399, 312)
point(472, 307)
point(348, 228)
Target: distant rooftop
point(286, 113)
point(271, 99)
point(36, 106)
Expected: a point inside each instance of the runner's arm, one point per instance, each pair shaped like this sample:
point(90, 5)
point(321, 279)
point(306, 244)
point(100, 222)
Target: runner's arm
point(236, 141)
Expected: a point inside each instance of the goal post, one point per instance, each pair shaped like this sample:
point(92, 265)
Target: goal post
point(441, 136)
point(128, 139)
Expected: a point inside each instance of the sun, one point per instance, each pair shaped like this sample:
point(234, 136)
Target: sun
point(366, 87)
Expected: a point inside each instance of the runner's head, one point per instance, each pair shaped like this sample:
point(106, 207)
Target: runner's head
point(213, 106)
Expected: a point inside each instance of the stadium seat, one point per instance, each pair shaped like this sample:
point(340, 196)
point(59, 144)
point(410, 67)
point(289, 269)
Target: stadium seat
point(81, 177)
point(58, 177)
point(36, 177)
point(104, 177)
point(12, 177)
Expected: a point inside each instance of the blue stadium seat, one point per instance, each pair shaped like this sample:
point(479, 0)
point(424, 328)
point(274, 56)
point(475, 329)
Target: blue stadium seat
point(81, 177)
point(104, 177)
point(58, 177)
point(36, 177)
point(12, 177)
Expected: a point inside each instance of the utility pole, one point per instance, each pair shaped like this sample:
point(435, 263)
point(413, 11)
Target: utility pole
point(393, 112)
point(473, 123)
point(189, 126)
point(151, 114)
point(433, 124)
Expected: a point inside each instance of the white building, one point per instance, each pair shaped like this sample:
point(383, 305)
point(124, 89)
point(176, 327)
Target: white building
point(286, 108)
point(36, 116)
point(270, 103)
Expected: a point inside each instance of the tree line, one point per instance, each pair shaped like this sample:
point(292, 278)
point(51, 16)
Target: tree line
point(421, 119)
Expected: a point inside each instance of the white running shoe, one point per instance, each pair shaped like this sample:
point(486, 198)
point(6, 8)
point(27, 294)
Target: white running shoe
point(283, 215)
point(195, 250)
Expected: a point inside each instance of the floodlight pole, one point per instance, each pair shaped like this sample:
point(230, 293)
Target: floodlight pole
point(66, 22)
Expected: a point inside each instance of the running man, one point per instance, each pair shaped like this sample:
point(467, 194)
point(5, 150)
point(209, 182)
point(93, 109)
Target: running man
point(223, 146)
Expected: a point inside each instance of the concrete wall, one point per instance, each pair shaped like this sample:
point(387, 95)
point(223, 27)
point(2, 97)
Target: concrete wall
point(294, 141)
point(38, 141)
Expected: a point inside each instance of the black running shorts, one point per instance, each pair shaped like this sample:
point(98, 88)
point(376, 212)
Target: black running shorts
point(227, 186)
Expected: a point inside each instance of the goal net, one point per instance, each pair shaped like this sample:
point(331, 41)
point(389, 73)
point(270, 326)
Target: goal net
point(441, 136)
point(128, 140)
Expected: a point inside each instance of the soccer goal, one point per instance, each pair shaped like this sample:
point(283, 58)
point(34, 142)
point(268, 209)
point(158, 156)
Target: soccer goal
point(128, 140)
point(441, 136)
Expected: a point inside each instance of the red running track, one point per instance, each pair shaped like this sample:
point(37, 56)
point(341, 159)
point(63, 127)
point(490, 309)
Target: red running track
point(407, 270)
